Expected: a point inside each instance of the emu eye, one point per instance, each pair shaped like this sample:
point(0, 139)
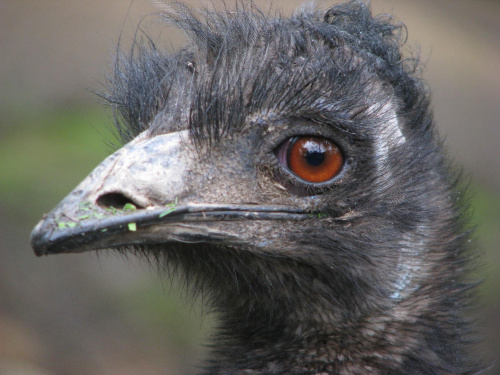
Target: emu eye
point(313, 159)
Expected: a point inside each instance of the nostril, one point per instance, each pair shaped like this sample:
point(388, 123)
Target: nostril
point(115, 200)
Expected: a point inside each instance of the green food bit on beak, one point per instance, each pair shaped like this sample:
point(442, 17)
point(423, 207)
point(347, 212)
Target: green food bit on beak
point(171, 208)
point(129, 207)
point(63, 224)
point(132, 227)
point(165, 213)
point(85, 206)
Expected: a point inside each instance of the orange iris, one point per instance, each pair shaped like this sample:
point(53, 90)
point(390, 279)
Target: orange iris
point(315, 159)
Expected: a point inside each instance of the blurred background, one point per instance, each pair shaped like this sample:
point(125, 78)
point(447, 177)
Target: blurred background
point(104, 315)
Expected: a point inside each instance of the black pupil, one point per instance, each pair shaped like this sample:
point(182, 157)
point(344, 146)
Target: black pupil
point(314, 158)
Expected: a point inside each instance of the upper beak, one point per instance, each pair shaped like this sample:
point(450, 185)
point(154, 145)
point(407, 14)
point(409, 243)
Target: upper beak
point(141, 195)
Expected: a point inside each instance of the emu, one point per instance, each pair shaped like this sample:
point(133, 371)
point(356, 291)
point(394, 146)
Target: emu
point(290, 170)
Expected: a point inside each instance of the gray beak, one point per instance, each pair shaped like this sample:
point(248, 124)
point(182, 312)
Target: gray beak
point(137, 185)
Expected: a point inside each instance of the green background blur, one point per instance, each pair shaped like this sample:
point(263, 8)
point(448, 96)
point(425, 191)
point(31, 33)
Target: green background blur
point(102, 314)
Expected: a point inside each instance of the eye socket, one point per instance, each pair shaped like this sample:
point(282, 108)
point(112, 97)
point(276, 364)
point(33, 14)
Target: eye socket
point(313, 159)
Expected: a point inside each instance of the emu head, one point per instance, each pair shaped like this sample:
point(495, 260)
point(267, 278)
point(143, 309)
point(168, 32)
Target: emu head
point(288, 168)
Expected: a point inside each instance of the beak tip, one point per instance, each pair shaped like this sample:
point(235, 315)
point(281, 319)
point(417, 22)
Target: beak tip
point(39, 239)
point(42, 238)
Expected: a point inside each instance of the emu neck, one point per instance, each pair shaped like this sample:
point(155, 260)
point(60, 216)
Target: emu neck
point(286, 318)
point(284, 342)
point(333, 342)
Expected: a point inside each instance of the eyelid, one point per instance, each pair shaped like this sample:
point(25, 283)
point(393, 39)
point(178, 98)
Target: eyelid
point(282, 151)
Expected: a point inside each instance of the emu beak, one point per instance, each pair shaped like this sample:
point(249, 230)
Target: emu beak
point(141, 195)
point(130, 189)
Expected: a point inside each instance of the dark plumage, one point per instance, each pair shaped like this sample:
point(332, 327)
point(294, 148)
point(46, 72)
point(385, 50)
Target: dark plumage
point(361, 272)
